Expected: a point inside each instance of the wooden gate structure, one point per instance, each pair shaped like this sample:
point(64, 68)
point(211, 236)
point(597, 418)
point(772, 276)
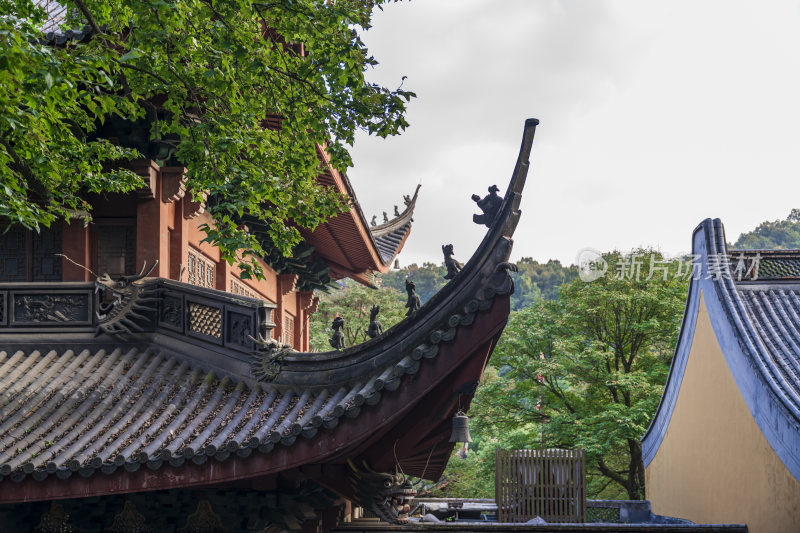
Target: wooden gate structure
point(546, 483)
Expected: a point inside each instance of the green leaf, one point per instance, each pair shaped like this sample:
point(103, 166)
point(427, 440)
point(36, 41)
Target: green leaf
point(133, 54)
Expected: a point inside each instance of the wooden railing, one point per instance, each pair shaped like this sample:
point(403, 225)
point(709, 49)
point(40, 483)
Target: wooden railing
point(198, 315)
point(546, 483)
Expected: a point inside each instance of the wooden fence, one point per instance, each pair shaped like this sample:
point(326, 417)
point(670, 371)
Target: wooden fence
point(546, 483)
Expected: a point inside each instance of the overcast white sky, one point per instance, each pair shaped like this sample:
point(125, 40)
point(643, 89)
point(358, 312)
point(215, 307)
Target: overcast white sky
point(654, 115)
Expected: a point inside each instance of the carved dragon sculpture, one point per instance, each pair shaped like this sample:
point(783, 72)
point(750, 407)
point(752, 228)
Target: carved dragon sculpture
point(266, 360)
point(133, 301)
point(389, 496)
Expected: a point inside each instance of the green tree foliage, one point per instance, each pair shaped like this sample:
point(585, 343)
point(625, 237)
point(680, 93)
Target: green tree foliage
point(779, 234)
point(533, 281)
point(473, 476)
point(353, 302)
point(199, 77)
point(587, 370)
point(536, 280)
point(428, 278)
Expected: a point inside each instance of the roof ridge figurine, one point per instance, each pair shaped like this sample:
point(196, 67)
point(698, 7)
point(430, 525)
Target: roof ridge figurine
point(453, 266)
point(490, 205)
point(413, 302)
point(337, 340)
point(375, 327)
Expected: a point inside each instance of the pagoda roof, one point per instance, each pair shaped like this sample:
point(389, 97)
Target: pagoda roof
point(390, 236)
point(167, 387)
point(347, 242)
point(753, 301)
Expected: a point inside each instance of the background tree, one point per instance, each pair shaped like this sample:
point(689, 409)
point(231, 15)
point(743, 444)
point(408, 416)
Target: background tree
point(583, 371)
point(473, 476)
point(590, 366)
point(779, 234)
point(197, 80)
point(428, 278)
point(353, 302)
point(536, 280)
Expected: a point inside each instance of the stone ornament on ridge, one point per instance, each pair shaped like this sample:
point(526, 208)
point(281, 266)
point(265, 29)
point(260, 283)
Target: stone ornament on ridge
point(453, 266)
point(413, 304)
point(375, 328)
point(133, 300)
point(490, 205)
point(337, 341)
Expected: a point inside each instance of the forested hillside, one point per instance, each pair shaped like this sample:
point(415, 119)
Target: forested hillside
point(778, 234)
point(534, 280)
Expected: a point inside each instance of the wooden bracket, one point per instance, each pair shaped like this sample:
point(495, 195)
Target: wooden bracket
point(173, 183)
point(147, 169)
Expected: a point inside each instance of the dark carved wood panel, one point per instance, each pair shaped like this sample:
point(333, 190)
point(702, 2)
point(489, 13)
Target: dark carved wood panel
point(43, 308)
point(239, 330)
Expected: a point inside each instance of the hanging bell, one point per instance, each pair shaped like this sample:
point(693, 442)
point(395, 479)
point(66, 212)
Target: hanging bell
point(460, 428)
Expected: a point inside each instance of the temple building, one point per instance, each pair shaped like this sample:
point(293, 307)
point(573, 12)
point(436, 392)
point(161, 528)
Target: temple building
point(724, 445)
point(181, 397)
point(160, 226)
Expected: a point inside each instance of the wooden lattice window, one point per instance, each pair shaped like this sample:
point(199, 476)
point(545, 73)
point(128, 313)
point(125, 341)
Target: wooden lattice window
point(26, 255)
point(200, 270)
point(237, 287)
point(114, 247)
point(288, 330)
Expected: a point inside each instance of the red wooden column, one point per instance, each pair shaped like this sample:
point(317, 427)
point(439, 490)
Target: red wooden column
point(152, 233)
point(224, 274)
point(77, 246)
point(173, 192)
point(307, 305)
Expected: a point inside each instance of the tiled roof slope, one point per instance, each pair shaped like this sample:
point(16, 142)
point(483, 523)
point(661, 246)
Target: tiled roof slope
point(753, 300)
point(77, 412)
point(56, 14)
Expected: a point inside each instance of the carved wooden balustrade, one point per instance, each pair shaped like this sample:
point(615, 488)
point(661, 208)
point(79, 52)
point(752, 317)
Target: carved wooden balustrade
point(216, 320)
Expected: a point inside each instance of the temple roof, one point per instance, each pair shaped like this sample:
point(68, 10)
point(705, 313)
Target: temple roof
point(753, 300)
point(56, 14)
point(150, 388)
point(80, 411)
point(348, 243)
point(390, 236)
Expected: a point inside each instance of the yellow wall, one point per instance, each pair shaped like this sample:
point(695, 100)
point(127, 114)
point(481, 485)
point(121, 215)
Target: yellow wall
point(714, 465)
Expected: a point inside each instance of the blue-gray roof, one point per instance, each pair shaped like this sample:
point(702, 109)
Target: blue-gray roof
point(753, 301)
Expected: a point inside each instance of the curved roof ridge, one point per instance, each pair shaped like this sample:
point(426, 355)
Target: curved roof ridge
point(390, 236)
point(398, 221)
